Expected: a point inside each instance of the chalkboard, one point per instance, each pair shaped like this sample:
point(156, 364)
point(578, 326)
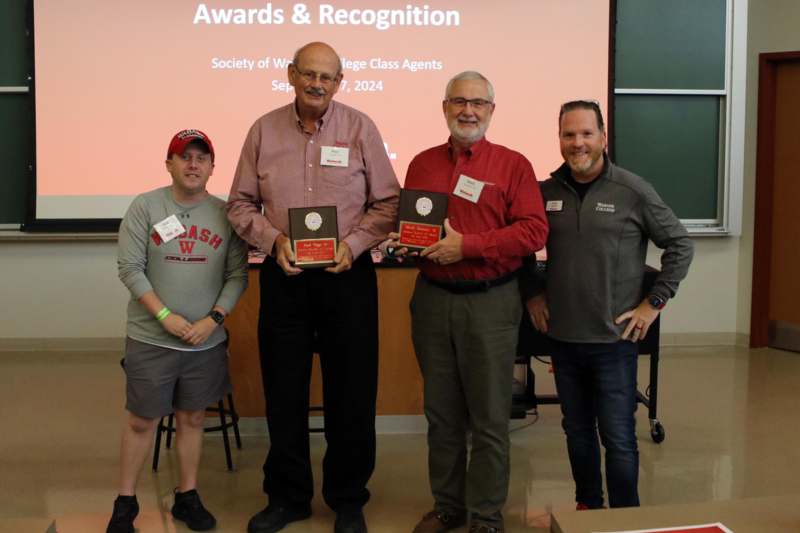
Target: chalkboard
point(674, 44)
point(14, 43)
point(16, 112)
point(672, 142)
point(16, 153)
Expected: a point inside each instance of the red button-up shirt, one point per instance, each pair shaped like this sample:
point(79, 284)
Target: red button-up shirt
point(506, 224)
point(280, 167)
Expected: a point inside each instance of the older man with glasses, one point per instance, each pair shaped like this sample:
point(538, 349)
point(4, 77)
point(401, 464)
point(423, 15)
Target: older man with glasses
point(466, 306)
point(309, 153)
point(591, 304)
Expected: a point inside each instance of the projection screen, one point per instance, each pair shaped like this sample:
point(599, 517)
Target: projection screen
point(115, 80)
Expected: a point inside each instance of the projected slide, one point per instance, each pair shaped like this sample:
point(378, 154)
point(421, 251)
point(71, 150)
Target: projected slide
point(115, 80)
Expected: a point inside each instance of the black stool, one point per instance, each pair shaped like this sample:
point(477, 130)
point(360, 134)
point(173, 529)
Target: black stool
point(228, 418)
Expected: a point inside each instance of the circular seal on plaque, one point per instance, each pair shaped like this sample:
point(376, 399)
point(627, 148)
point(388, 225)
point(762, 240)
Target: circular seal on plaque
point(313, 221)
point(424, 206)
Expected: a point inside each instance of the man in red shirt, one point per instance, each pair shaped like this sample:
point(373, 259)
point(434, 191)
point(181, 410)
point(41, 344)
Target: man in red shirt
point(466, 306)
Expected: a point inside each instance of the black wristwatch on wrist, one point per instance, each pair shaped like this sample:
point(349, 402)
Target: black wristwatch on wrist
point(656, 302)
point(217, 317)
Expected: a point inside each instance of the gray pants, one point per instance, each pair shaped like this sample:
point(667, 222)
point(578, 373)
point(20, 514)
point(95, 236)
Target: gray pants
point(466, 345)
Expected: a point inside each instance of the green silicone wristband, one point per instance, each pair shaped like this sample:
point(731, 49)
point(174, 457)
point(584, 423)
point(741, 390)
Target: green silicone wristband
point(164, 313)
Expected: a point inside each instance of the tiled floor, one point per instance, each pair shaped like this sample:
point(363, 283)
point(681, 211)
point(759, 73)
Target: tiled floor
point(731, 417)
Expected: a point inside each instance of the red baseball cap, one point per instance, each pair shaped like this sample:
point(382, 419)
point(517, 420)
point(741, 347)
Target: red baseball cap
point(181, 139)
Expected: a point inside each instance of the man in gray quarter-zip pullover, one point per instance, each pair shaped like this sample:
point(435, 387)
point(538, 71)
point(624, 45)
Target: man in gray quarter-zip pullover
point(591, 304)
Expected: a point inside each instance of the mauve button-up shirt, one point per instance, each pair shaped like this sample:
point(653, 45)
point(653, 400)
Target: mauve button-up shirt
point(280, 167)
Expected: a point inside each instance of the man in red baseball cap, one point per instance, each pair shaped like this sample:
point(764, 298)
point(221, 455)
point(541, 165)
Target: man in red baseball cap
point(185, 269)
point(184, 138)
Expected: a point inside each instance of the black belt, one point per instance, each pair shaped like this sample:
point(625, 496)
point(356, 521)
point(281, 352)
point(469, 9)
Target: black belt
point(469, 286)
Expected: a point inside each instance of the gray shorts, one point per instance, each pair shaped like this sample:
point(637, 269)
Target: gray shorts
point(161, 380)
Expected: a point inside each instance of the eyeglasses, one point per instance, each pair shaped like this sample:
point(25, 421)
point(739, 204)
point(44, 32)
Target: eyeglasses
point(310, 76)
point(476, 103)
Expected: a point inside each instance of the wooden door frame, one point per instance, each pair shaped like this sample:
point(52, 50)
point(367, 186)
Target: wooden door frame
point(768, 64)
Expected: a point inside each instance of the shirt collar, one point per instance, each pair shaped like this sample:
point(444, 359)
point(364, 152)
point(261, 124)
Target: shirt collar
point(320, 121)
point(475, 148)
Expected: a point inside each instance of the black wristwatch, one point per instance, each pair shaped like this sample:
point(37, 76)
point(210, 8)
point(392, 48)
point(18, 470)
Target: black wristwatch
point(656, 302)
point(217, 317)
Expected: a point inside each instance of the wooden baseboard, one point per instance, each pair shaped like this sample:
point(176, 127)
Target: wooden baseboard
point(384, 424)
point(705, 339)
point(62, 344)
point(116, 344)
point(784, 335)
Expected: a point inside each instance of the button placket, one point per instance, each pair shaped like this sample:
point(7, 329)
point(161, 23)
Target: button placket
point(309, 171)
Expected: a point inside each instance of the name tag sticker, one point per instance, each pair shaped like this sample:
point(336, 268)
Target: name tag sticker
point(468, 188)
point(554, 205)
point(169, 228)
point(334, 156)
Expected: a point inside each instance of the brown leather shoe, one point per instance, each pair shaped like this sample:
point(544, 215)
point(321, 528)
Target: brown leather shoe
point(439, 521)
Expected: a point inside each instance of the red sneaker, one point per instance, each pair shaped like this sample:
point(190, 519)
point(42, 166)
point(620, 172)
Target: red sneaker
point(581, 507)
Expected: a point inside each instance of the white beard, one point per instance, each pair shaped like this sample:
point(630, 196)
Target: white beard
point(464, 135)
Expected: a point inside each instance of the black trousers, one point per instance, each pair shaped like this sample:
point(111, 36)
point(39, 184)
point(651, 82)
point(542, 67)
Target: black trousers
point(337, 316)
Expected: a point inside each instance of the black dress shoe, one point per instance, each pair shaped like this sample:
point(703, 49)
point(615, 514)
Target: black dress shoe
point(276, 517)
point(350, 522)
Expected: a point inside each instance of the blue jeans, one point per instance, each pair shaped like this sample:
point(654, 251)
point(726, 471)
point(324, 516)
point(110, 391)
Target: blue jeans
point(596, 386)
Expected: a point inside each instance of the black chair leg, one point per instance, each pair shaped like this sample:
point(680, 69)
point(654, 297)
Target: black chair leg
point(225, 439)
point(235, 419)
point(653, 400)
point(157, 449)
point(170, 429)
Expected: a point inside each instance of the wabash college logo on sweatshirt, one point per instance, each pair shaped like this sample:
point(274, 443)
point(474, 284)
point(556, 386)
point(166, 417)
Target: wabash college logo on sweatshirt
point(187, 245)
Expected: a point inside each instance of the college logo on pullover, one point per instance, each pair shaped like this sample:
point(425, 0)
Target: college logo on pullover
point(187, 241)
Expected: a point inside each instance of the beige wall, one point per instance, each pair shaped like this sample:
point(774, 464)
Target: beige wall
point(71, 289)
point(63, 290)
point(707, 300)
point(60, 289)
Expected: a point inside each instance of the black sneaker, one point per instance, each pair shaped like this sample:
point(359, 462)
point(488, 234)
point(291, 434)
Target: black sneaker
point(125, 510)
point(275, 517)
point(188, 508)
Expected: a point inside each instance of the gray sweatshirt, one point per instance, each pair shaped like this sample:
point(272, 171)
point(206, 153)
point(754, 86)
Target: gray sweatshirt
point(204, 267)
point(596, 252)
